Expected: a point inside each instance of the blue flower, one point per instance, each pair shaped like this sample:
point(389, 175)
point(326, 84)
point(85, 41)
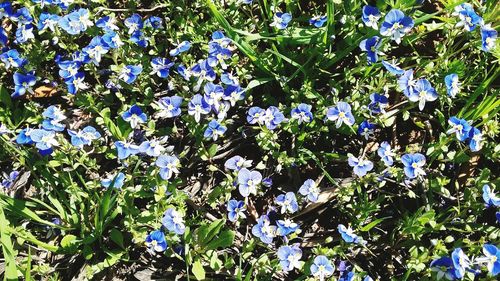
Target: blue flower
point(6, 10)
point(112, 40)
point(184, 46)
point(125, 149)
point(322, 267)
point(71, 24)
point(489, 197)
point(153, 148)
point(248, 181)
point(288, 202)
point(406, 82)
point(423, 92)
point(460, 262)
point(76, 22)
point(9, 181)
point(235, 210)
point(68, 68)
point(348, 234)
point(378, 103)
point(173, 221)
point(213, 93)
point(236, 163)
point(444, 268)
point(218, 55)
point(184, 72)
point(281, 20)
point(154, 22)
point(53, 116)
point(488, 38)
point(76, 83)
point(272, 117)
point(267, 182)
point(156, 241)
point(169, 106)
point(286, 227)
point(44, 139)
point(203, 71)
point(24, 136)
point(219, 38)
point(229, 79)
point(214, 130)
point(133, 23)
point(310, 189)
point(198, 106)
point(414, 164)
point(289, 257)
point(460, 127)
point(11, 58)
point(370, 16)
point(161, 66)
point(255, 115)
point(49, 21)
point(366, 129)
point(302, 113)
point(23, 83)
point(492, 259)
point(341, 114)
point(318, 21)
point(24, 33)
point(130, 72)
point(452, 84)
point(396, 25)
point(468, 17)
point(347, 276)
point(264, 230)
point(475, 139)
point(22, 16)
point(3, 36)
point(233, 94)
point(393, 68)
point(115, 181)
point(107, 24)
point(361, 166)
point(384, 151)
point(139, 38)
point(96, 49)
point(134, 116)
point(168, 166)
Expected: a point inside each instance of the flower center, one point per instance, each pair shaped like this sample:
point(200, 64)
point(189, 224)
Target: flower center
point(396, 25)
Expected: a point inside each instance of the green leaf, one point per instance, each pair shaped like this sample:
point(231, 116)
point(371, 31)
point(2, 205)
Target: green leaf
point(117, 237)
point(373, 224)
point(198, 270)
point(68, 241)
point(112, 127)
point(22, 208)
point(5, 97)
point(212, 150)
point(238, 41)
point(8, 249)
point(207, 233)
point(225, 239)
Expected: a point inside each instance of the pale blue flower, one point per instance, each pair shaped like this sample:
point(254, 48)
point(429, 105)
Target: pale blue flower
point(289, 257)
point(173, 221)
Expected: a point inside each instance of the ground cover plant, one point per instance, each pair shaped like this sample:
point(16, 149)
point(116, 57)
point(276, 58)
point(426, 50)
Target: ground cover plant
point(249, 140)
